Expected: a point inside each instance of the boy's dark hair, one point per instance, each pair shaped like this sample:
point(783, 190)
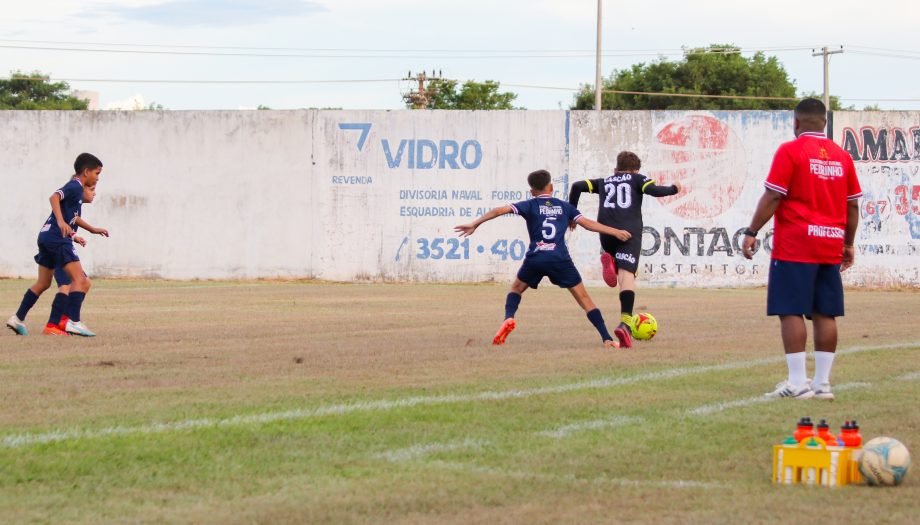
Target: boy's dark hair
point(628, 161)
point(539, 179)
point(86, 161)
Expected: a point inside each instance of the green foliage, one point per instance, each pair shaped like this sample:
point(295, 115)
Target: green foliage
point(35, 91)
point(716, 70)
point(471, 95)
point(155, 106)
point(834, 100)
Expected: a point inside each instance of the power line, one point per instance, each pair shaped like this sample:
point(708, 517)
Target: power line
point(378, 50)
point(469, 54)
point(178, 81)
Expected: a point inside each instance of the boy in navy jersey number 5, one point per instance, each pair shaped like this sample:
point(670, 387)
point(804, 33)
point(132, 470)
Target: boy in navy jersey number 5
point(547, 219)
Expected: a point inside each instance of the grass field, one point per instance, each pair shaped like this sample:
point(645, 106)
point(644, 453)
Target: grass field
point(309, 403)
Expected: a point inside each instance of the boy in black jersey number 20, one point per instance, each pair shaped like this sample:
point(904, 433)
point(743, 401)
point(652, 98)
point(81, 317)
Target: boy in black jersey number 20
point(621, 207)
point(547, 218)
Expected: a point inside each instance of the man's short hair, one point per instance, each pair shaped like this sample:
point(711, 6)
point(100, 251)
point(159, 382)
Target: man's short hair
point(539, 179)
point(86, 161)
point(628, 161)
point(811, 107)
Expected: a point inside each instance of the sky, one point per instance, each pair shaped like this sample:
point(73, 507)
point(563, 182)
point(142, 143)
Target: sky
point(288, 54)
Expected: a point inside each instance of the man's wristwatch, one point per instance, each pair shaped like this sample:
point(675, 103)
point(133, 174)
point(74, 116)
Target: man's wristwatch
point(749, 232)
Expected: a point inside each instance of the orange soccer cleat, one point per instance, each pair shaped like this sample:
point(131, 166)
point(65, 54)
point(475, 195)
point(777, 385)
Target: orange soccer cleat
point(609, 269)
point(507, 328)
point(53, 329)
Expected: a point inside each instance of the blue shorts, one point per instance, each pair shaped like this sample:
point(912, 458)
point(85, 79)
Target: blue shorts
point(804, 288)
point(561, 273)
point(56, 255)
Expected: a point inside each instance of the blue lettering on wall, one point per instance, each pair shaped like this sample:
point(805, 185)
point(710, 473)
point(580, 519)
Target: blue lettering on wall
point(423, 154)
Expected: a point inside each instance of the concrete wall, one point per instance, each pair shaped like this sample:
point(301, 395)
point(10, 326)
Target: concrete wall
point(346, 195)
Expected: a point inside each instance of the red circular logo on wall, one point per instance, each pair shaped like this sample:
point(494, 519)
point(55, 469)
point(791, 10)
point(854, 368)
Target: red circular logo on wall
point(706, 157)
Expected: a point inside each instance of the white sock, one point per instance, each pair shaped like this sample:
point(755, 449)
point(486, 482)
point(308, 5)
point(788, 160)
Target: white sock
point(823, 363)
point(796, 364)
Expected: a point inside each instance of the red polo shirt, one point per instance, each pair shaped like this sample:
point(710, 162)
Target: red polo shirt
point(816, 178)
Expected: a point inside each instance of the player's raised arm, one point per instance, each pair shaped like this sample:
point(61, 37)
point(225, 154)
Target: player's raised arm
point(580, 187)
point(597, 227)
point(465, 230)
point(653, 190)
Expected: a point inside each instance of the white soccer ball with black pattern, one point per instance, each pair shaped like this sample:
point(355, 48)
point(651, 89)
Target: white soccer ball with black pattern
point(884, 462)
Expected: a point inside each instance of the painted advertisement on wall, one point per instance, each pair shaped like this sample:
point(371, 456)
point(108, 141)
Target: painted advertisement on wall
point(885, 147)
point(375, 195)
point(720, 159)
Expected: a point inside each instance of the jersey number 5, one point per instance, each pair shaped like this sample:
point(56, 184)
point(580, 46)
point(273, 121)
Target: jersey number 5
point(549, 229)
point(623, 194)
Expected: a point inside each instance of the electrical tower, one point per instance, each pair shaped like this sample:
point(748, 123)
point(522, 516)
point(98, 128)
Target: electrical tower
point(420, 98)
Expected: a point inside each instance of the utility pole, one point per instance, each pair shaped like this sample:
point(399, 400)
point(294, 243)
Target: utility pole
point(419, 99)
point(598, 88)
point(827, 86)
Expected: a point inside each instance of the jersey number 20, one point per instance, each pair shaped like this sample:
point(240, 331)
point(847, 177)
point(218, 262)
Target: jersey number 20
point(623, 193)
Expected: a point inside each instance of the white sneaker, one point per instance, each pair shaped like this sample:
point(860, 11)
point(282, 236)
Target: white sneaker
point(823, 391)
point(17, 326)
point(78, 328)
point(787, 389)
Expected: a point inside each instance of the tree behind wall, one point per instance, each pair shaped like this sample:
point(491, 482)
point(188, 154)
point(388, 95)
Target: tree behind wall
point(443, 94)
point(35, 91)
point(716, 70)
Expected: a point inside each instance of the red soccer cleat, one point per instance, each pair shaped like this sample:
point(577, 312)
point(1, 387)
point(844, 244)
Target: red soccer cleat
point(623, 333)
point(63, 324)
point(609, 267)
point(53, 329)
point(507, 328)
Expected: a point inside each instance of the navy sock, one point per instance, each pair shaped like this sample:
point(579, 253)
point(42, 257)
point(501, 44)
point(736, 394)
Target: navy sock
point(74, 303)
point(511, 304)
point(28, 301)
point(57, 308)
point(598, 321)
point(627, 300)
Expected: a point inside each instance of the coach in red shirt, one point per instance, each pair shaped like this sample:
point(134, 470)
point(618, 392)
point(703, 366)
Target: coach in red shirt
point(812, 193)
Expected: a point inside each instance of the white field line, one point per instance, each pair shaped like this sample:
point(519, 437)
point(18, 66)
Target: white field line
point(569, 478)
point(911, 376)
point(567, 430)
point(421, 450)
point(21, 440)
point(740, 403)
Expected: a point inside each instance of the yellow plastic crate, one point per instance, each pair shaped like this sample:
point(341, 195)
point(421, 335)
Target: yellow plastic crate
point(818, 464)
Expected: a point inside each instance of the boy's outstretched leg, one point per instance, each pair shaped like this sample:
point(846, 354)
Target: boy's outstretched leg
point(594, 314)
point(512, 301)
point(16, 322)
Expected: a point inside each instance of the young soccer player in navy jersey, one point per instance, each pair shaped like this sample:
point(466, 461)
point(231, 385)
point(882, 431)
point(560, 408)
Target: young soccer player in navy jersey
point(547, 219)
point(55, 248)
point(57, 320)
